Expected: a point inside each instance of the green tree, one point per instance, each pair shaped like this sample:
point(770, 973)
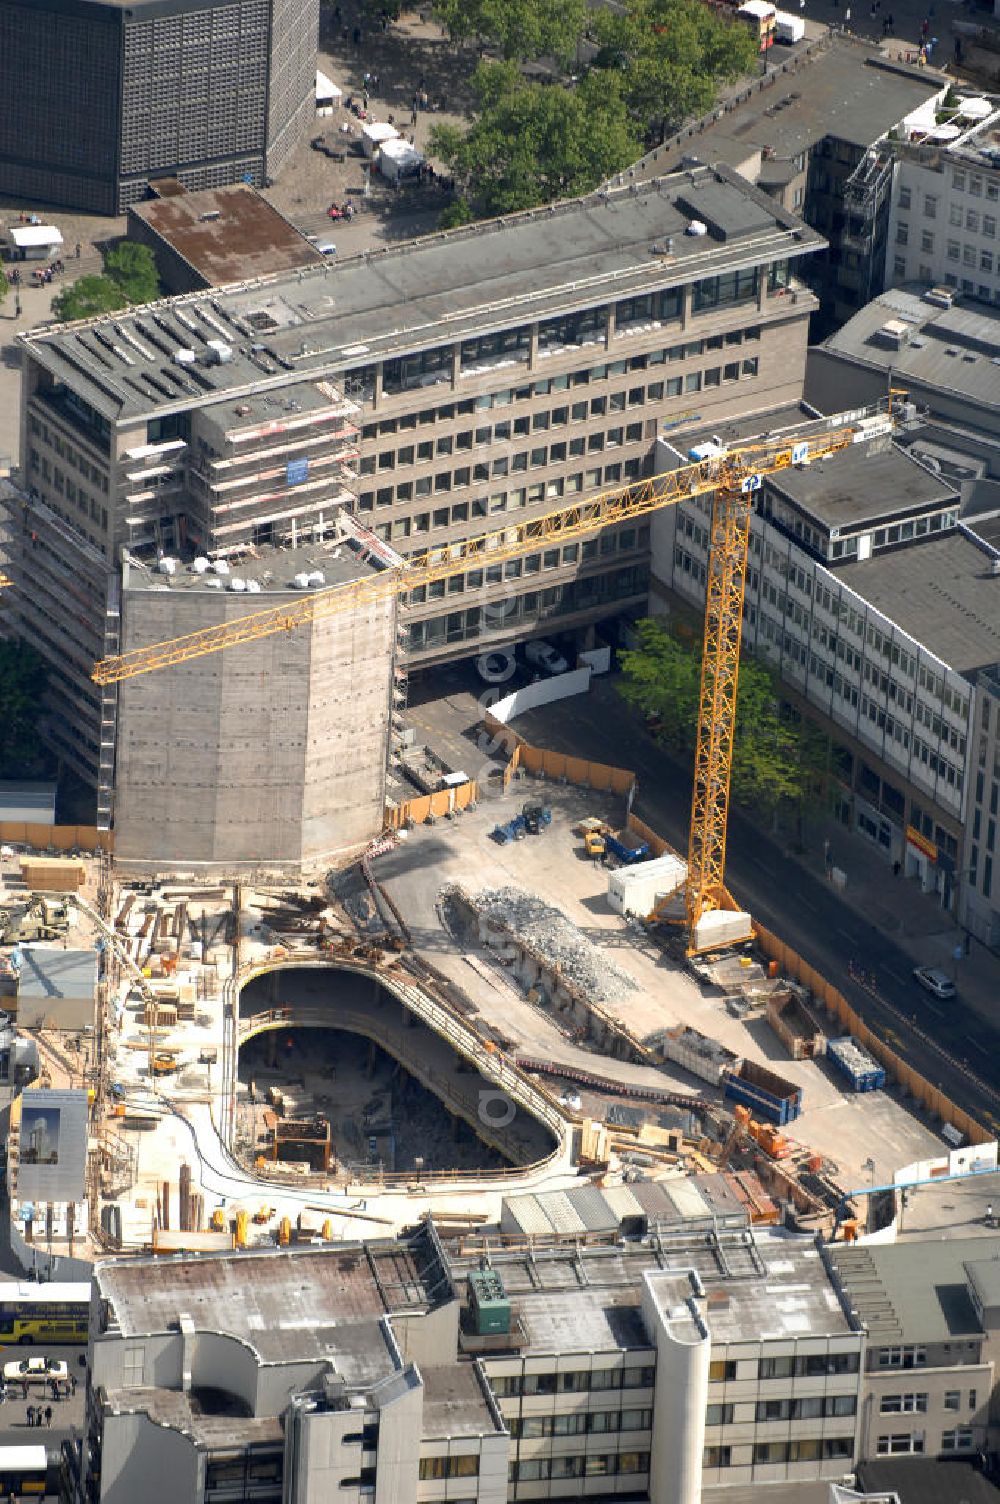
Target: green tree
point(87, 297)
point(23, 678)
point(531, 143)
point(662, 680)
point(4, 284)
point(456, 214)
point(133, 269)
point(672, 55)
point(778, 761)
point(518, 29)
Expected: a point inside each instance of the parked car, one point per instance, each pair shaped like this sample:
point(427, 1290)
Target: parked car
point(544, 656)
point(496, 667)
point(935, 981)
point(326, 248)
point(35, 1370)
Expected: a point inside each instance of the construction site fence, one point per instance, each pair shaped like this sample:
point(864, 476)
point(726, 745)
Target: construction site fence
point(431, 806)
point(931, 1097)
point(579, 771)
point(44, 839)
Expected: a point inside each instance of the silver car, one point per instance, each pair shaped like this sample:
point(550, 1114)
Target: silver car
point(935, 981)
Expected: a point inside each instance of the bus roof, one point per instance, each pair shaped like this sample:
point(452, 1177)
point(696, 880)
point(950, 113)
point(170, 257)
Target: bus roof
point(22, 1457)
point(12, 1291)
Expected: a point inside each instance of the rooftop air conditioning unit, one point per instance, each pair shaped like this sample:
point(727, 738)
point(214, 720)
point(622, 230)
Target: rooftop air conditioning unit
point(940, 297)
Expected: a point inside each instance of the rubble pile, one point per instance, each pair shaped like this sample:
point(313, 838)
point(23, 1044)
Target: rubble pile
point(555, 940)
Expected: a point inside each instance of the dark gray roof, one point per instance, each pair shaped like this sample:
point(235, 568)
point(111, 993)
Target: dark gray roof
point(27, 801)
point(984, 1278)
point(953, 350)
point(846, 89)
point(50, 972)
point(414, 296)
point(861, 484)
point(942, 591)
point(910, 1293)
point(927, 1480)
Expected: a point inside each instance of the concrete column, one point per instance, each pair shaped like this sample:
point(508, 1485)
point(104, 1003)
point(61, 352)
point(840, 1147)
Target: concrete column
point(533, 347)
point(609, 328)
point(456, 365)
point(377, 390)
point(686, 298)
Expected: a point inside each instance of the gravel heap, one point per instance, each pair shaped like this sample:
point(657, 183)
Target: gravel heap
point(556, 940)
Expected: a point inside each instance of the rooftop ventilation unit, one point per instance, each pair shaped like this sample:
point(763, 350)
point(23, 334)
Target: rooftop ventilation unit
point(894, 333)
point(185, 357)
point(697, 227)
point(940, 297)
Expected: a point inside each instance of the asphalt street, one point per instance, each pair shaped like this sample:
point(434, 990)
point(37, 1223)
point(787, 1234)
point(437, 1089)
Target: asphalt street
point(804, 910)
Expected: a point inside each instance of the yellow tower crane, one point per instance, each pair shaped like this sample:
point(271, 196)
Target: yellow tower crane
point(730, 476)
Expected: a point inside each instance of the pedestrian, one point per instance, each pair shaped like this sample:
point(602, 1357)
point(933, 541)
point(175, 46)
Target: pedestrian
point(989, 1214)
point(72, 1383)
point(48, 1416)
point(847, 16)
point(30, 1415)
point(896, 868)
point(413, 112)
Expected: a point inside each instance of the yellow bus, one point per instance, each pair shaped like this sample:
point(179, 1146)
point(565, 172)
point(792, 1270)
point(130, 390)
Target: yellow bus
point(23, 1471)
point(31, 1313)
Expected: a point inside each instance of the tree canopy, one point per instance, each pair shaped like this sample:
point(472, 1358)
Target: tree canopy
point(133, 268)
point(129, 276)
point(652, 65)
point(4, 284)
point(531, 143)
point(23, 677)
point(520, 29)
point(672, 55)
point(87, 297)
point(776, 760)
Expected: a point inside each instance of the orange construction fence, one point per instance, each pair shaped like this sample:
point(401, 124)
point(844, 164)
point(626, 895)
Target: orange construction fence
point(579, 771)
point(849, 1022)
point(43, 838)
point(437, 805)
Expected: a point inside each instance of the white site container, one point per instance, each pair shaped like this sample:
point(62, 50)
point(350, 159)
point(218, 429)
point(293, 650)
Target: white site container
point(636, 890)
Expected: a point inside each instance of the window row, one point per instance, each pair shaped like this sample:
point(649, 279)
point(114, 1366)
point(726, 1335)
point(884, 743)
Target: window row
point(465, 1465)
point(805, 1365)
point(807, 1449)
point(573, 1381)
point(606, 1465)
point(579, 1423)
point(410, 454)
point(592, 593)
point(432, 367)
point(494, 504)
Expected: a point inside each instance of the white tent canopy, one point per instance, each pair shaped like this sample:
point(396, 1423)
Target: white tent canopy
point(397, 158)
point(27, 236)
point(326, 89)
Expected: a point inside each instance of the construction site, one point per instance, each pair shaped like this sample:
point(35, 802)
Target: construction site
point(508, 993)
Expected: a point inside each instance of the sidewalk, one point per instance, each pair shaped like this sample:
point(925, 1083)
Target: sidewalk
point(895, 906)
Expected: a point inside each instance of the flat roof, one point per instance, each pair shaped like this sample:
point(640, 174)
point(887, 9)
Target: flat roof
point(227, 234)
point(51, 972)
point(454, 1402)
point(954, 350)
point(271, 568)
point(286, 1306)
point(843, 88)
point(571, 1298)
point(861, 484)
point(413, 296)
point(942, 591)
point(910, 1292)
point(926, 1480)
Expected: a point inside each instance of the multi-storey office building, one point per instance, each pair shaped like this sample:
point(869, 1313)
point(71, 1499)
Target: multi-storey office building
point(97, 97)
point(979, 905)
point(814, 133)
point(931, 1310)
point(434, 391)
point(635, 1370)
point(946, 205)
point(877, 608)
